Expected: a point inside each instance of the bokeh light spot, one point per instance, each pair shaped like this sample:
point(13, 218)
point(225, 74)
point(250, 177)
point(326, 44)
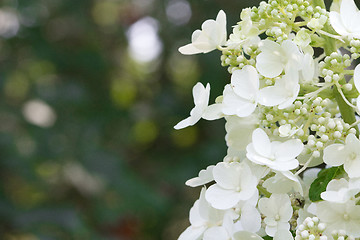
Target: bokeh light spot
point(145, 131)
point(185, 137)
point(39, 113)
point(178, 12)
point(144, 42)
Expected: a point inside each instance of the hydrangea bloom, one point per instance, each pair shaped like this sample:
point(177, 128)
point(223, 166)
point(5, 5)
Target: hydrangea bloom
point(288, 108)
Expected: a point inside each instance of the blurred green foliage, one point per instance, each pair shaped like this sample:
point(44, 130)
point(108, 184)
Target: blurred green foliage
point(88, 149)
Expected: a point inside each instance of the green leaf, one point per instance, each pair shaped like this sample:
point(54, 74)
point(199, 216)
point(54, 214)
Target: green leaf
point(323, 178)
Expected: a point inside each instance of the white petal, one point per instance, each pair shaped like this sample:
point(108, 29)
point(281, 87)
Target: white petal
point(205, 176)
point(245, 82)
point(244, 235)
point(216, 233)
point(227, 175)
point(189, 49)
point(261, 142)
point(349, 14)
point(289, 149)
point(336, 23)
point(192, 233)
point(235, 105)
point(334, 154)
point(352, 168)
point(357, 77)
point(186, 122)
point(269, 65)
point(201, 94)
point(250, 219)
point(283, 235)
point(272, 96)
point(213, 111)
point(220, 198)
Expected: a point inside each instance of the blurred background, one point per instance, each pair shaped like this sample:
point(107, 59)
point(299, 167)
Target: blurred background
point(90, 92)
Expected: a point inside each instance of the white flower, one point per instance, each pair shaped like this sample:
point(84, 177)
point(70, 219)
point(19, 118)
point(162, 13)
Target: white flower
point(287, 131)
point(278, 211)
point(340, 190)
point(201, 99)
point(211, 35)
point(240, 98)
point(346, 23)
point(205, 176)
point(347, 154)
point(202, 217)
point(283, 93)
point(276, 155)
point(340, 216)
point(275, 58)
point(234, 182)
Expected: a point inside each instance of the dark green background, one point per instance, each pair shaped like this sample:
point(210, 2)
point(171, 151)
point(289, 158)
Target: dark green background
point(112, 166)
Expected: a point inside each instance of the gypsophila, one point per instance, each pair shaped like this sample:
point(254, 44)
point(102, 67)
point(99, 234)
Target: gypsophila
point(291, 106)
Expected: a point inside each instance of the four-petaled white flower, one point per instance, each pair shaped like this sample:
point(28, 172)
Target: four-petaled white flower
point(201, 99)
point(341, 190)
point(283, 93)
point(346, 23)
point(275, 58)
point(234, 182)
point(348, 154)
point(278, 211)
point(279, 156)
point(340, 216)
point(212, 35)
point(202, 218)
point(240, 97)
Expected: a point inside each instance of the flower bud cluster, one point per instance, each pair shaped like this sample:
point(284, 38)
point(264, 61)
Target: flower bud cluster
point(355, 48)
point(319, 18)
point(332, 68)
point(236, 59)
point(311, 229)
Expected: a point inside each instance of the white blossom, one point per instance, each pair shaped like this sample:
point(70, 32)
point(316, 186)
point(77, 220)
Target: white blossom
point(283, 93)
point(234, 182)
point(275, 58)
point(340, 216)
point(201, 99)
point(348, 154)
point(212, 35)
point(276, 155)
point(278, 211)
point(202, 217)
point(341, 190)
point(346, 23)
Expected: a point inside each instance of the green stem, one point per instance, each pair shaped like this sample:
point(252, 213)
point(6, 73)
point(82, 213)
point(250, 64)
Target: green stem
point(263, 191)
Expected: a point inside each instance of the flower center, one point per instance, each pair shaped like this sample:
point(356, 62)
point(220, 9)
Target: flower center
point(277, 217)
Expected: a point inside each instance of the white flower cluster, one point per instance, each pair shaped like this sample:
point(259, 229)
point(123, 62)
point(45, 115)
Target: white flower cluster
point(292, 104)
